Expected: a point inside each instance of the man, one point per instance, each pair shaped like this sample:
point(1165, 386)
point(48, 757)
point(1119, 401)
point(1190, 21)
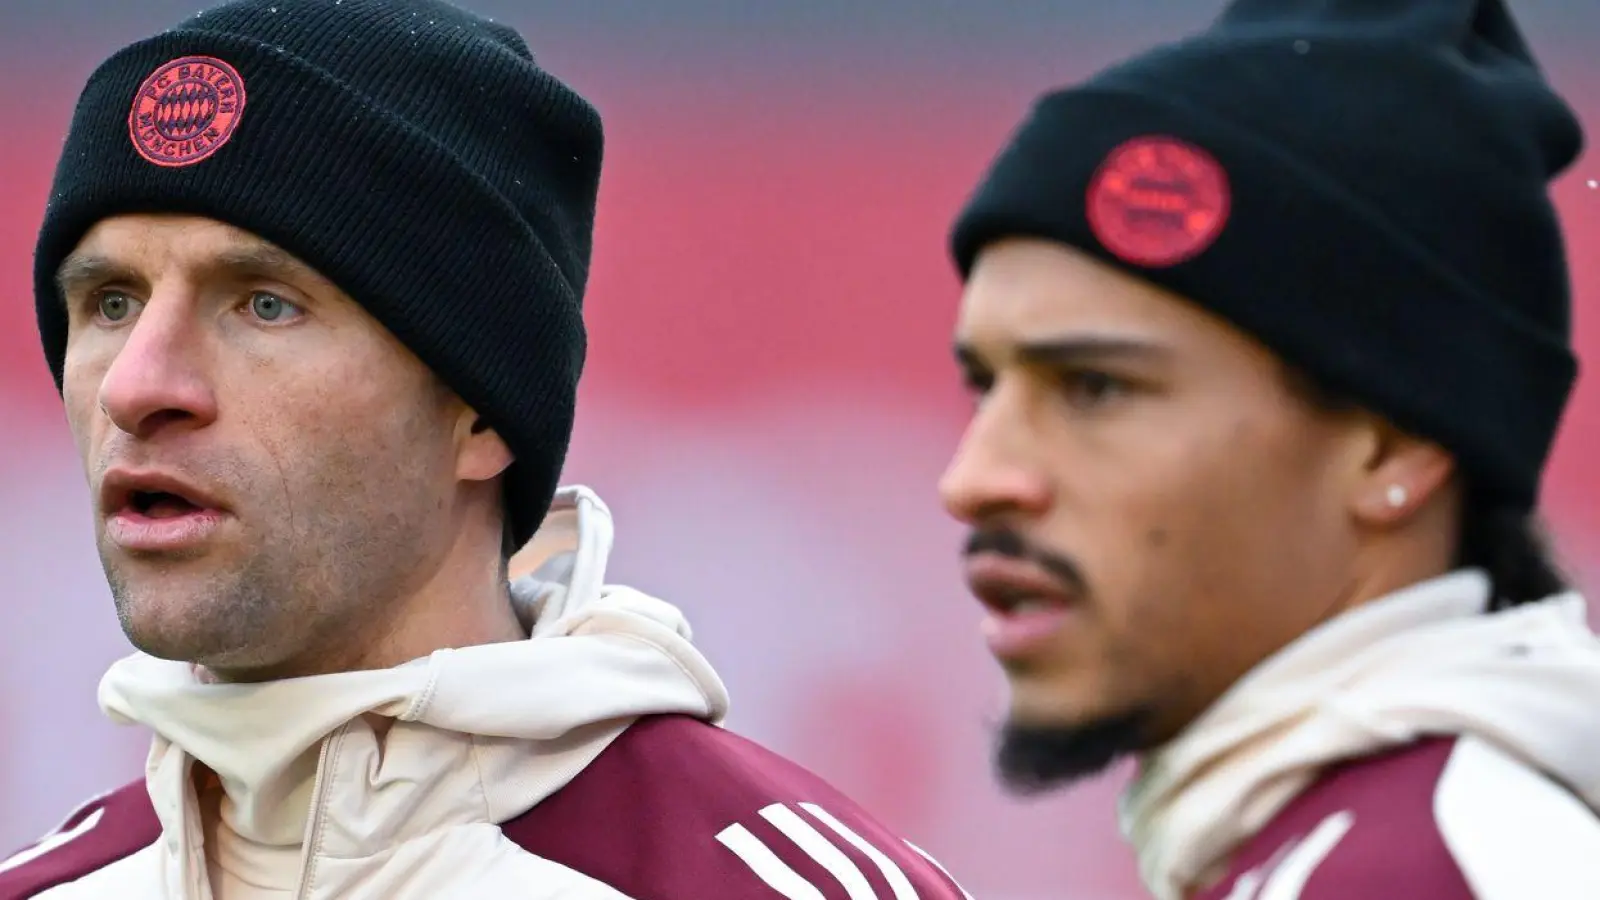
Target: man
point(310, 284)
point(1269, 334)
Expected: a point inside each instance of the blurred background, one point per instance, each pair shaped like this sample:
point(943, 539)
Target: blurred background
point(769, 399)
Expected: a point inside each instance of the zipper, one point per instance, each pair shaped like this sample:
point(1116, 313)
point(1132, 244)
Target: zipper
point(314, 819)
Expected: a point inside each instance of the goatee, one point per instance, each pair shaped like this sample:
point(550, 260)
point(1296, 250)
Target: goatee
point(1032, 759)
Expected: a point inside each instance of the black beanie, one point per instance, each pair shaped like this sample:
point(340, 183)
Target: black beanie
point(409, 151)
point(1362, 185)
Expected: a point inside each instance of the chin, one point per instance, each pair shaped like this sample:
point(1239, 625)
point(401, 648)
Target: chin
point(194, 612)
point(186, 631)
point(181, 644)
point(1037, 752)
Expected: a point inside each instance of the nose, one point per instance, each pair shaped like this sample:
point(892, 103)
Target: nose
point(158, 380)
point(993, 473)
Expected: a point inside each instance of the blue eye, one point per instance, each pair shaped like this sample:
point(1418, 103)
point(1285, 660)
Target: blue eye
point(272, 308)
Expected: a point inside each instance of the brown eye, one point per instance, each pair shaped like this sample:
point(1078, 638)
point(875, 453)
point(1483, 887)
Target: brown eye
point(1090, 387)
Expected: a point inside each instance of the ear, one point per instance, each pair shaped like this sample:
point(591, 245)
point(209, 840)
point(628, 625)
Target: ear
point(480, 453)
point(1403, 475)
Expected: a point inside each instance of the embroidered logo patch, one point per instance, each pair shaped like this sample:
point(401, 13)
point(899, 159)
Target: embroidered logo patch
point(1157, 201)
point(186, 110)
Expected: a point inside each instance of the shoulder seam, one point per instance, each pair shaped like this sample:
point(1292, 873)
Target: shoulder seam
point(1537, 803)
point(98, 833)
point(77, 811)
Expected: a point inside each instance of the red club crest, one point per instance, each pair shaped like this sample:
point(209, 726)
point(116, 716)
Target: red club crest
point(1157, 201)
point(186, 110)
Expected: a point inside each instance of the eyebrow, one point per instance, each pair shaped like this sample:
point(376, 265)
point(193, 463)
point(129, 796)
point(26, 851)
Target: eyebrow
point(1068, 351)
point(262, 260)
point(82, 269)
point(258, 259)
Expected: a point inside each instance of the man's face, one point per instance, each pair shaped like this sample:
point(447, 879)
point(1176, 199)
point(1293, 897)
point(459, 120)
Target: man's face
point(270, 469)
point(1154, 509)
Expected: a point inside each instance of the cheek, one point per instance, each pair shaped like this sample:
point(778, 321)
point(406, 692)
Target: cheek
point(80, 397)
point(1162, 516)
point(362, 415)
point(1213, 553)
point(333, 459)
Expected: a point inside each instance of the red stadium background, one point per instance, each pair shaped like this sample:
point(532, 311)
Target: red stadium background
point(769, 398)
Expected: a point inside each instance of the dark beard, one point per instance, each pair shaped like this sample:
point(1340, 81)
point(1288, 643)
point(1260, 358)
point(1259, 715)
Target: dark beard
point(1032, 759)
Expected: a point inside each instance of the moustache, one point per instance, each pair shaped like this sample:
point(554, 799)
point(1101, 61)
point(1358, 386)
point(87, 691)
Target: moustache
point(1004, 542)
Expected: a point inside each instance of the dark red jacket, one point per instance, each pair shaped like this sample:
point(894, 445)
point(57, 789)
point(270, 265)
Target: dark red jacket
point(1445, 819)
point(674, 809)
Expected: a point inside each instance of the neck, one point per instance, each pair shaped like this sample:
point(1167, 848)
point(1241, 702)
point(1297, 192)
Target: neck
point(454, 610)
point(1396, 563)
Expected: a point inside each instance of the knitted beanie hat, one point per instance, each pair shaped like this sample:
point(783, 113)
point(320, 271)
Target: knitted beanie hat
point(414, 154)
point(1362, 185)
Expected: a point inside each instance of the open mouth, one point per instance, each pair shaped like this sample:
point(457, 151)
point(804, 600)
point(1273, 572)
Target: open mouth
point(1010, 587)
point(161, 504)
point(1026, 607)
point(1010, 601)
point(152, 496)
point(154, 512)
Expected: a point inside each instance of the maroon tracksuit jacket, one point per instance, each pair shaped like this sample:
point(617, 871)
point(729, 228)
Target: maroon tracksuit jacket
point(674, 809)
point(1442, 819)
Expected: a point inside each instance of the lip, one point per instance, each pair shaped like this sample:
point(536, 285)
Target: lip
point(1000, 582)
point(1014, 628)
point(132, 530)
point(139, 533)
point(118, 486)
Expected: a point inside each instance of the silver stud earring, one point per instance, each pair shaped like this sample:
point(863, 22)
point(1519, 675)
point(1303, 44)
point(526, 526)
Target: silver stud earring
point(1397, 496)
